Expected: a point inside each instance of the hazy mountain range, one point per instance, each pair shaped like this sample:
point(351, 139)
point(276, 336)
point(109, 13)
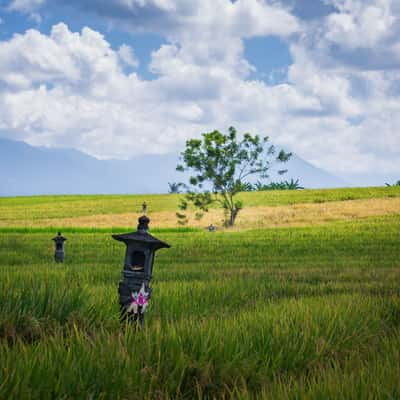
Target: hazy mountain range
point(28, 170)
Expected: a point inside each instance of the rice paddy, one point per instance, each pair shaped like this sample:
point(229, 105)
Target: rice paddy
point(307, 214)
point(273, 311)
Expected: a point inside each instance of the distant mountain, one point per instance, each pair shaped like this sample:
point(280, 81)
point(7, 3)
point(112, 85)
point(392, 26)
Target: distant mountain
point(309, 176)
point(28, 170)
point(374, 178)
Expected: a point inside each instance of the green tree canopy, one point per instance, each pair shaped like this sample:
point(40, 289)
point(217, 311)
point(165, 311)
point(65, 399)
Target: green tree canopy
point(220, 166)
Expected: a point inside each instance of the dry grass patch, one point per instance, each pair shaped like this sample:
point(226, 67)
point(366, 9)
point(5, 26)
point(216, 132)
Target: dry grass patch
point(315, 214)
point(250, 217)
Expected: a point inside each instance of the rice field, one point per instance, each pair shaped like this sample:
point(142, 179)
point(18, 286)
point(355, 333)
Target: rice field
point(17, 211)
point(308, 214)
point(275, 312)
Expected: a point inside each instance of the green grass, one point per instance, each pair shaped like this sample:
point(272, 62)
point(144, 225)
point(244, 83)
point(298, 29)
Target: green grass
point(274, 313)
point(80, 229)
point(39, 207)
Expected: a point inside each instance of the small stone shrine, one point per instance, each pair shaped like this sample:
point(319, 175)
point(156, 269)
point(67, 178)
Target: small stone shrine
point(134, 289)
point(59, 250)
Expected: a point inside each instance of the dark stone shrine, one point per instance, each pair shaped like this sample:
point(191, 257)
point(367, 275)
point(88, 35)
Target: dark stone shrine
point(134, 289)
point(59, 251)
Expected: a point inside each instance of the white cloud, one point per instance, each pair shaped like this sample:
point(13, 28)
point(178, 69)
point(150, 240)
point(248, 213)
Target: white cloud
point(337, 110)
point(62, 57)
point(127, 56)
point(360, 23)
point(173, 17)
point(348, 61)
point(27, 6)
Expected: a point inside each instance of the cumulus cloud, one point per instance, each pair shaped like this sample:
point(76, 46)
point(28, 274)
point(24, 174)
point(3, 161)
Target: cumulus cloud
point(361, 33)
point(348, 60)
point(173, 17)
point(339, 108)
point(360, 23)
point(127, 56)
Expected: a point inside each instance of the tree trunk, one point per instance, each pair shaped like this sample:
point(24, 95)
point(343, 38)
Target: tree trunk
point(232, 218)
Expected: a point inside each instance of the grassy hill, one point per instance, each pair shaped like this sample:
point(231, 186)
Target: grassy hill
point(308, 309)
point(122, 211)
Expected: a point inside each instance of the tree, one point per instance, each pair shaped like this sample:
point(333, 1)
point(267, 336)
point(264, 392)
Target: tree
point(220, 166)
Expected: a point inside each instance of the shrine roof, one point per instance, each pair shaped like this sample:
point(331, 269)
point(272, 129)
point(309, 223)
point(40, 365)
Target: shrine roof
point(141, 237)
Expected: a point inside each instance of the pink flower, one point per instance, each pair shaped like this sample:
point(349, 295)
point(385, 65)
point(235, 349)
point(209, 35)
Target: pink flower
point(139, 299)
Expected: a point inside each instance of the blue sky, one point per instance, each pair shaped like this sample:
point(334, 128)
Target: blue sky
point(270, 55)
point(119, 78)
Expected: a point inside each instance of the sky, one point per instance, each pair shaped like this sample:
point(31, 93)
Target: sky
point(120, 78)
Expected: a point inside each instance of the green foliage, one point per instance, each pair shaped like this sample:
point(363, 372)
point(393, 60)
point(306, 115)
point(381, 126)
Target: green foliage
point(182, 219)
point(221, 165)
point(198, 216)
point(284, 185)
point(174, 187)
point(394, 184)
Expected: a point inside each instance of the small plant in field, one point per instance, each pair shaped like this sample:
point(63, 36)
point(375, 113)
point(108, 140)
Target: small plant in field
point(394, 184)
point(293, 185)
point(174, 187)
point(182, 218)
point(284, 185)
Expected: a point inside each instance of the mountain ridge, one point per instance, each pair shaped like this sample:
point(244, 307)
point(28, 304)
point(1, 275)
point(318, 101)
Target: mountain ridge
point(27, 170)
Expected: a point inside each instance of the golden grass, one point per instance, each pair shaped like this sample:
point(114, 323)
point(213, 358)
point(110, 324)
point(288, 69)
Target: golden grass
point(250, 217)
point(316, 214)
